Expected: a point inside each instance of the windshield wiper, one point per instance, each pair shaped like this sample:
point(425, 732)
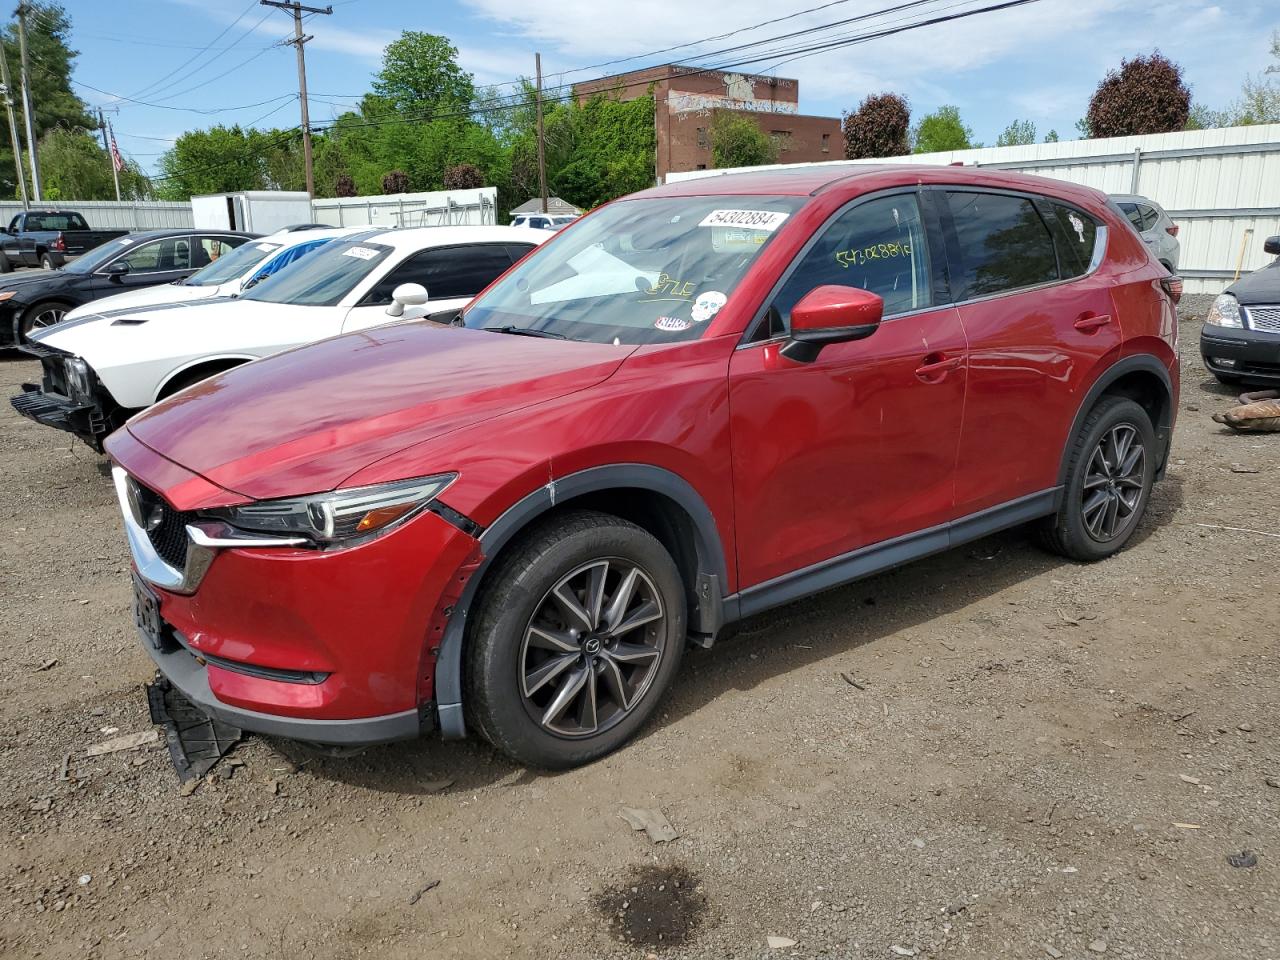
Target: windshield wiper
point(526, 332)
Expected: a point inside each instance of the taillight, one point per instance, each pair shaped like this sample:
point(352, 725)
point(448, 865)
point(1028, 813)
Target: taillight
point(1173, 287)
point(59, 244)
point(1171, 229)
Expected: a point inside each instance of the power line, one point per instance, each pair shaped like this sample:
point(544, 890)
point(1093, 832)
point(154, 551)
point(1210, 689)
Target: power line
point(192, 62)
point(162, 106)
point(210, 80)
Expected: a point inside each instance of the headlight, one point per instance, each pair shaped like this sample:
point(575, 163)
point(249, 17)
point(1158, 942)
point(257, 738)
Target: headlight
point(341, 517)
point(1225, 312)
point(79, 384)
point(7, 295)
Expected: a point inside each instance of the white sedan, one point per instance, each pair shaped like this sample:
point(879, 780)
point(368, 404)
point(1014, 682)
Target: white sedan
point(101, 370)
point(231, 274)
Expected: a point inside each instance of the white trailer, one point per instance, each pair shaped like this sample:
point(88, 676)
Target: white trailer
point(255, 211)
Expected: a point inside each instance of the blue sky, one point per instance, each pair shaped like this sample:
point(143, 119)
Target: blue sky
point(1040, 61)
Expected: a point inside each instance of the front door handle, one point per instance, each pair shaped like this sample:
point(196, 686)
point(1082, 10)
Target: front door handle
point(936, 367)
point(1091, 322)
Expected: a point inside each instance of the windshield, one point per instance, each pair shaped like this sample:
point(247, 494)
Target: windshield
point(324, 277)
point(637, 271)
point(96, 257)
point(231, 265)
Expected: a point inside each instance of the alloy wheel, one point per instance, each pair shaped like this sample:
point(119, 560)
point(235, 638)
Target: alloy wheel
point(1114, 483)
point(47, 318)
point(592, 648)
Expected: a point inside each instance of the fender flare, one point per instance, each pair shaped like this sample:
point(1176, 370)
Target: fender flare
point(711, 575)
point(1133, 364)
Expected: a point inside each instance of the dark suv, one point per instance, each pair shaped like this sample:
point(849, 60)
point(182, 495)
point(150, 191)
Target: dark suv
point(694, 404)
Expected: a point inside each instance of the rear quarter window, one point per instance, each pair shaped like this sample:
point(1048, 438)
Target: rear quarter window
point(1076, 234)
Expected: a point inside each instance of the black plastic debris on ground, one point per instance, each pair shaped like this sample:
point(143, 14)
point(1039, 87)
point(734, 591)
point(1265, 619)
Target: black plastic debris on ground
point(196, 740)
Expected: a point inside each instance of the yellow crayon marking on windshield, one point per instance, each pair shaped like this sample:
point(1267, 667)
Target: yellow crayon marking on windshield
point(681, 289)
point(876, 251)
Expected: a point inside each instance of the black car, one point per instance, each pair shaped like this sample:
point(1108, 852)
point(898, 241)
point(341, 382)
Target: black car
point(1240, 341)
point(31, 300)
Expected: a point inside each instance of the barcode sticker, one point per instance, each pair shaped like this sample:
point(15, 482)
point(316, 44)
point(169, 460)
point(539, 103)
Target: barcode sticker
point(766, 220)
point(364, 253)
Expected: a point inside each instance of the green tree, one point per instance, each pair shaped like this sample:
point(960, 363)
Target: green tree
point(1051, 136)
point(942, 131)
point(420, 74)
point(1018, 134)
point(74, 166)
point(738, 141)
point(1146, 95)
point(218, 160)
point(52, 60)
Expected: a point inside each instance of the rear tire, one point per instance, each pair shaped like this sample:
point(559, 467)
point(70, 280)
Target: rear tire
point(532, 652)
point(1110, 471)
point(5, 265)
point(46, 262)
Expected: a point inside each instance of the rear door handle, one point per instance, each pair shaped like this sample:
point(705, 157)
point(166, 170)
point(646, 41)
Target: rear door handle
point(933, 370)
point(1092, 322)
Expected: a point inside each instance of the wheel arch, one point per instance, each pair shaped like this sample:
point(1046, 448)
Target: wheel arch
point(215, 365)
point(1146, 381)
point(661, 502)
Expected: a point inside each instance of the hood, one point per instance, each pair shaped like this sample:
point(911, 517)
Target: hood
point(303, 421)
point(159, 295)
point(23, 283)
point(95, 330)
point(1261, 286)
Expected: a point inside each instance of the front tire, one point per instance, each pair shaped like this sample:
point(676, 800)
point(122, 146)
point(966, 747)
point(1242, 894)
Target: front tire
point(577, 638)
point(41, 315)
point(1110, 471)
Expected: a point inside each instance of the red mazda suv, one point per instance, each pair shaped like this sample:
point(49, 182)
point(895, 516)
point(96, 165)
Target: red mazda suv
point(696, 403)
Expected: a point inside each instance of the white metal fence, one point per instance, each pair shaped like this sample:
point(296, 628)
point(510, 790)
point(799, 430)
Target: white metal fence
point(437, 208)
point(110, 215)
point(1221, 186)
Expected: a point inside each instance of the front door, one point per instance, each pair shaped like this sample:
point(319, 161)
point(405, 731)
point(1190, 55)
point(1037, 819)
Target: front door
point(858, 446)
point(452, 277)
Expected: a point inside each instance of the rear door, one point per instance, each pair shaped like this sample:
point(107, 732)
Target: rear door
point(1038, 320)
point(858, 446)
point(452, 277)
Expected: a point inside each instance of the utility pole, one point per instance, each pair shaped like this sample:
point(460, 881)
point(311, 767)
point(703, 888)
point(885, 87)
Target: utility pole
point(542, 147)
point(21, 13)
point(298, 40)
point(13, 128)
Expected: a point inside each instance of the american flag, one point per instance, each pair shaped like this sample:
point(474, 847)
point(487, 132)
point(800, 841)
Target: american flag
point(115, 151)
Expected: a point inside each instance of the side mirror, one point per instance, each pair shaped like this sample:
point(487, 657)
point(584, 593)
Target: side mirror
point(1272, 246)
point(117, 269)
point(831, 314)
point(406, 295)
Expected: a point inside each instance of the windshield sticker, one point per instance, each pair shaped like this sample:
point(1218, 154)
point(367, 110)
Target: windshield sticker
point(266, 247)
point(708, 305)
point(766, 220)
point(876, 251)
point(672, 287)
point(364, 253)
point(724, 239)
point(672, 324)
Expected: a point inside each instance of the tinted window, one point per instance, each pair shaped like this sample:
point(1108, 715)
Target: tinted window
point(1133, 214)
point(879, 246)
point(1001, 244)
point(1150, 217)
point(56, 221)
point(173, 253)
point(446, 272)
point(1077, 235)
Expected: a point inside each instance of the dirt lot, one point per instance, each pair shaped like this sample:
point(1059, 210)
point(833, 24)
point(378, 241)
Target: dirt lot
point(1039, 759)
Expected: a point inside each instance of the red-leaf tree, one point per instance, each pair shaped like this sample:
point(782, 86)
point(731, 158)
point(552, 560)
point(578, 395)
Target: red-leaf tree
point(878, 128)
point(344, 186)
point(463, 176)
point(395, 181)
point(1146, 95)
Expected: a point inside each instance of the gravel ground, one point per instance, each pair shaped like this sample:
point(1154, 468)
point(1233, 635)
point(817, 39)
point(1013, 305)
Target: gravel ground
point(1037, 759)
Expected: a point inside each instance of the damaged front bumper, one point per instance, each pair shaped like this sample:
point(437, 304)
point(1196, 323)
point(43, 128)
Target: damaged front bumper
point(77, 404)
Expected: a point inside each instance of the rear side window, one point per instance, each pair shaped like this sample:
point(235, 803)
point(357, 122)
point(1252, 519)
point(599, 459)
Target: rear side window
point(1077, 235)
point(446, 272)
point(879, 246)
point(1001, 244)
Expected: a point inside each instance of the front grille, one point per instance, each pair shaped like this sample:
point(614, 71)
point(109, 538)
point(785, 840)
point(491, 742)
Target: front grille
point(1265, 319)
point(166, 527)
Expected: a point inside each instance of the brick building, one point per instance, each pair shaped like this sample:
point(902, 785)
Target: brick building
point(687, 100)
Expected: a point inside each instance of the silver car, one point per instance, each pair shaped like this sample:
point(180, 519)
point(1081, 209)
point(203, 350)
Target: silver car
point(1158, 232)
